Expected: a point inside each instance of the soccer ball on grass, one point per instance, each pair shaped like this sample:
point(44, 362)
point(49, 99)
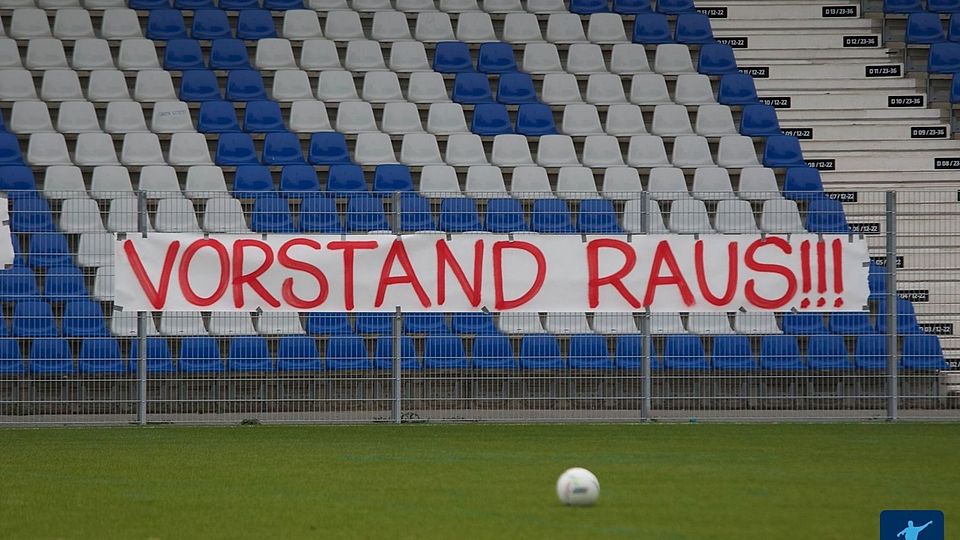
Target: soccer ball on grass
point(578, 487)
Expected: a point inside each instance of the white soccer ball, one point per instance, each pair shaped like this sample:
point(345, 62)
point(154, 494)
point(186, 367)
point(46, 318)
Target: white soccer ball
point(578, 487)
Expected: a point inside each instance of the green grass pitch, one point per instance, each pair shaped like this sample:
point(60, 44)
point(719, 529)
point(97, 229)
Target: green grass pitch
point(686, 481)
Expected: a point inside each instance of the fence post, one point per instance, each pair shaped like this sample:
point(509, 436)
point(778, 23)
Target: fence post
point(142, 325)
point(397, 329)
point(646, 383)
point(893, 389)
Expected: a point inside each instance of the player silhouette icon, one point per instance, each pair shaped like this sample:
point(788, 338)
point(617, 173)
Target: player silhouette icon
point(910, 532)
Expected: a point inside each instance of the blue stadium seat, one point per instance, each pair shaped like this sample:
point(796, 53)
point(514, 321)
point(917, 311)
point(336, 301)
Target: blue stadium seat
point(183, 54)
point(586, 7)
point(902, 6)
point(229, 53)
point(159, 359)
point(473, 323)
point(944, 57)
point(716, 59)
point(101, 356)
point(249, 354)
point(802, 183)
point(877, 280)
point(955, 86)
point(83, 318)
point(515, 88)
point(693, 29)
point(684, 352)
point(906, 317)
point(328, 324)
point(299, 180)
point(827, 352)
point(850, 323)
point(238, 5)
point(17, 178)
point(148, 4)
point(391, 178)
point(346, 178)
point(251, 181)
point(365, 214)
point(495, 57)
point(471, 87)
point(9, 150)
point(452, 57)
point(298, 353)
point(164, 24)
point(737, 89)
point(953, 28)
point(49, 250)
point(631, 7)
point(425, 323)
point(922, 351)
point(943, 6)
point(505, 216)
point(780, 353)
point(282, 5)
point(674, 7)
point(256, 24)
point(628, 352)
point(759, 120)
point(803, 323)
point(347, 353)
point(383, 353)
point(271, 215)
point(459, 214)
point(651, 29)
point(245, 85)
point(871, 352)
point(217, 117)
point(374, 323)
point(51, 357)
point(199, 354)
point(63, 283)
point(199, 85)
point(193, 4)
point(263, 117)
point(490, 119)
point(444, 352)
point(235, 149)
point(31, 214)
point(924, 28)
point(328, 148)
point(33, 318)
point(18, 283)
point(551, 216)
point(783, 151)
point(589, 351)
point(210, 24)
point(535, 119)
point(492, 351)
point(282, 148)
point(11, 359)
point(825, 215)
point(597, 216)
point(540, 352)
point(415, 214)
point(732, 353)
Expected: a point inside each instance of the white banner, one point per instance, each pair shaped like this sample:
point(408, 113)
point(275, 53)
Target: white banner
point(427, 272)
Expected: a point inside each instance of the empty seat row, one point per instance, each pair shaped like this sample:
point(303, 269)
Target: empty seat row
point(120, 117)
point(917, 6)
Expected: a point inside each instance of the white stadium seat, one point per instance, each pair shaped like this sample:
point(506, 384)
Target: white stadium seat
point(77, 117)
point(575, 183)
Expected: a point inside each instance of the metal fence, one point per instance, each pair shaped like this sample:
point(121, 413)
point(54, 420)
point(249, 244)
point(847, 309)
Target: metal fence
point(68, 356)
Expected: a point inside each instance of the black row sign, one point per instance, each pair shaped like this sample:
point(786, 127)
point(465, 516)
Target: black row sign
point(861, 41)
point(884, 70)
point(932, 132)
point(946, 163)
point(757, 72)
point(865, 228)
point(735, 42)
point(804, 134)
point(719, 12)
point(905, 101)
point(882, 261)
point(842, 196)
point(915, 295)
point(822, 164)
point(839, 11)
point(779, 102)
point(937, 329)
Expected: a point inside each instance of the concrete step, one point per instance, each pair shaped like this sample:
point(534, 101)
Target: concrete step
point(809, 39)
point(890, 179)
point(843, 101)
point(894, 160)
point(807, 70)
point(779, 56)
point(785, 10)
point(854, 146)
point(851, 132)
point(843, 85)
point(911, 114)
point(794, 25)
